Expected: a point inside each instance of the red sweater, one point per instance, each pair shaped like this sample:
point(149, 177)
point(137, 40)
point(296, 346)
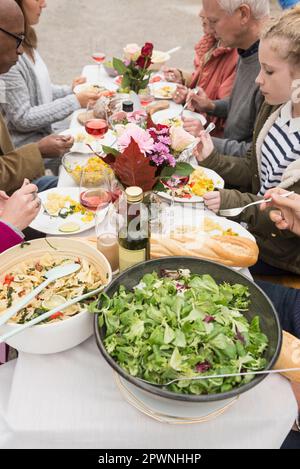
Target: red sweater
point(8, 237)
point(215, 71)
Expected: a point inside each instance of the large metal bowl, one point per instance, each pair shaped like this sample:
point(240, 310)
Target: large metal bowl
point(260, 305)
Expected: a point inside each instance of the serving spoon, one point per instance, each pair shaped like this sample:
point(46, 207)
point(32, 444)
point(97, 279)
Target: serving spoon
point(51, 275)
point(229, 375)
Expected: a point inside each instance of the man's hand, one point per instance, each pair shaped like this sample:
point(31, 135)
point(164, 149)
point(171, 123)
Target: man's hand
point(200, 102)
point(288, 215)
point(22, 207)
point(78, 81)
point(54, 146)
point(212, 201)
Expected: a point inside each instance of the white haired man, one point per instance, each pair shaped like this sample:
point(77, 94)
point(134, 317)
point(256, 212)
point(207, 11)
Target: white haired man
point(237, 23)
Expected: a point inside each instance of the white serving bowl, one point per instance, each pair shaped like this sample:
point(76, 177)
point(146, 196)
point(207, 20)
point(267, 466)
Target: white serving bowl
point(61, 335)
point(159, 59)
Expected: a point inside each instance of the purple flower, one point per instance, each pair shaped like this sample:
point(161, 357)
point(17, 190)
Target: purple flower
point(165, 140)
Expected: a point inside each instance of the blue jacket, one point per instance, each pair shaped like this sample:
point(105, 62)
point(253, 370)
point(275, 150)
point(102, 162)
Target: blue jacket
point(288, 3)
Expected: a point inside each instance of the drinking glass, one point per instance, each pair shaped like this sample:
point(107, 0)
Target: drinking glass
point(107, 235)
point(94, 188)
point(94, 126)
point(98, 56)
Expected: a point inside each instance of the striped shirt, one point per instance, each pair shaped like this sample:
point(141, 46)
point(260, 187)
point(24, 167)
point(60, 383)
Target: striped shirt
point(280, 148)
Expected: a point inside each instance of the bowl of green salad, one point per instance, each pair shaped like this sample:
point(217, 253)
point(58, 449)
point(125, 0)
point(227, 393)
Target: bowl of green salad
point(185, 318)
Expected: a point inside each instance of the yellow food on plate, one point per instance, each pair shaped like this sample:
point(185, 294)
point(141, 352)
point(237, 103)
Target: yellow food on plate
point(93, 171)
point(82, 137)
point(210, 225)
point(165, 92)
point(58, 205)
point(200, 184)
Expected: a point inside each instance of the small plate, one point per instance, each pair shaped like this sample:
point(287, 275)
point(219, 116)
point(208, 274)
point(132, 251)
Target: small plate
point(161, 117)
point(210, 174)
point(88, 86)
point(163, 89)
point(50, 225)
point(81, 147)
point(168, 411)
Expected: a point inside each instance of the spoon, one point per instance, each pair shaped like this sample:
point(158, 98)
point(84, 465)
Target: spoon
point(171, 51)
point(229, 375)
point(51, 275)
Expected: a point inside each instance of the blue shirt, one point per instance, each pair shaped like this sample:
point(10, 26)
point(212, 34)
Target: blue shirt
point(288, 3)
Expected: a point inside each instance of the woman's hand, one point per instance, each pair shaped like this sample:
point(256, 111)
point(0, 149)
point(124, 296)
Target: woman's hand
point(22, 207)
point(192, 126)
point(78, 81)
point(212, 201)
point(3, 198)
point(179, 96)
point(173, 75)
point(205, 148)
point(288, 215)
point(54, 146)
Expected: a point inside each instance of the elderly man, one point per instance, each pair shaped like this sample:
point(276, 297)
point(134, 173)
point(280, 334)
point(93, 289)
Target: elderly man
point(237, 23)
point(25, 162)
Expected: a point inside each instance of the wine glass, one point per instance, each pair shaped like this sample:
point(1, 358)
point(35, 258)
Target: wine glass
point(94, 188)
point(94, 126)
point(98, 57)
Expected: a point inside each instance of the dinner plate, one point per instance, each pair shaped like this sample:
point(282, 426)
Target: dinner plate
point(168, 411)
point(161, 117)
point(207, 221)
point(157, 89)
point(50, 225)
point(87, 86)
point(81, 147)
point(210, 174)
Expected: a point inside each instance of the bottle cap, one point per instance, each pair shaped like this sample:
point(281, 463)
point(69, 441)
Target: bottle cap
point(127, 106)
point(134, 194)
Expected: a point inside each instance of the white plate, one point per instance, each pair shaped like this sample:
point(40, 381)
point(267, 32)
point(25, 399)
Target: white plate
point(171, 411)
point(85, 87)
point(108, 85)
point(218, 183)
point(157, 87)
point(50, 225)
point(194, 115)
point(80, 147)
point(187, 216)
point(161, 117)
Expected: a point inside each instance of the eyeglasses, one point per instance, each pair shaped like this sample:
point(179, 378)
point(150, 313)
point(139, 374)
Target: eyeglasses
point(19, 38)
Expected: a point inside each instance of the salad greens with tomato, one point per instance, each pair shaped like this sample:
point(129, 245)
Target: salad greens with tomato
point(183, 325)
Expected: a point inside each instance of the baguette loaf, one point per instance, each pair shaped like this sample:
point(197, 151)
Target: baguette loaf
point(157, 106)
point(233, 251)
point(289, 357)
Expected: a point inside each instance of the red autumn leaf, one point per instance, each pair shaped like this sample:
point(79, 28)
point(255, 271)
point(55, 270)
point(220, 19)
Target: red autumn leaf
point(132, 168)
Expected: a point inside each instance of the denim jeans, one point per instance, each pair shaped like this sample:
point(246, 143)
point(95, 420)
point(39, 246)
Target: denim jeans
point(287, 304)
point(46, 182)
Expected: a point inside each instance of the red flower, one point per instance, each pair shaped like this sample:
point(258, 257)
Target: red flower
point(143, 62)
point(147, 50)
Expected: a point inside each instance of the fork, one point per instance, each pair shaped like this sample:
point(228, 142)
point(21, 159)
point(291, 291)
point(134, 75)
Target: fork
point(195, 91)
point(229, 375)
point(234, 212)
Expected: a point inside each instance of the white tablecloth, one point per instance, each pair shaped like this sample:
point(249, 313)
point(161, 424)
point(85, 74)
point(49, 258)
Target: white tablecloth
point(70, 400)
